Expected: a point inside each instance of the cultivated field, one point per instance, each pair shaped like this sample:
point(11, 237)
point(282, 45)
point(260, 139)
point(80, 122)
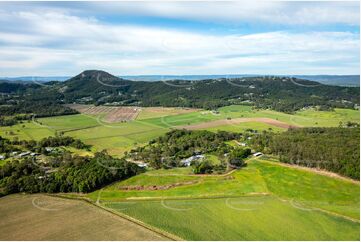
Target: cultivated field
point(109, 114)
point(40, 217)
point(264, 201)
point(242, 218)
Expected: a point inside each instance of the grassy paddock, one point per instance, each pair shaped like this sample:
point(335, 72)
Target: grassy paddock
point(262, 201)
point(242, 218)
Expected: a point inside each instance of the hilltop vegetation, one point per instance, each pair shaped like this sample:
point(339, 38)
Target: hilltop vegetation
point(97, 87)
point(333, 149)
point(279, 93)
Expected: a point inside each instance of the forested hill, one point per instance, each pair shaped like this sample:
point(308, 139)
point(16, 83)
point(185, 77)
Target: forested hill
point(98, 87)
point(279, 93)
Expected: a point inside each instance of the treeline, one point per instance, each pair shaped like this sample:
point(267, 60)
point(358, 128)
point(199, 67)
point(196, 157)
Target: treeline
point(35, 108)
point(12, 120)
point(31, 101)
point(80, 174)
point(7, 146)
point(333, 149)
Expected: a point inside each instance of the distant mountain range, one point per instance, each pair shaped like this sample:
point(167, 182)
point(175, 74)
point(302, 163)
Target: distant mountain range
point(97, 87)
point(336, 80)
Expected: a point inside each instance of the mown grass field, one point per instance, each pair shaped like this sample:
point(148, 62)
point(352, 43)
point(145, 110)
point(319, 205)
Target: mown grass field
point(156, 112)
point(243, 218)
point(263, 201)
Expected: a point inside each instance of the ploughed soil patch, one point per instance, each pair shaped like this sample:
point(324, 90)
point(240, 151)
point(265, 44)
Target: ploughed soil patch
point(111, 114)
point(155, 187)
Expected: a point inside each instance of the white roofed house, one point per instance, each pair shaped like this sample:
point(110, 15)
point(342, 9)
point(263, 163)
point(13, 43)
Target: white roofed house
point(257, 154)
point(188, 161)
point(24, 154)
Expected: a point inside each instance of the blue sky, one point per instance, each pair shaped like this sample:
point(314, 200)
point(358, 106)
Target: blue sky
point(179, 38)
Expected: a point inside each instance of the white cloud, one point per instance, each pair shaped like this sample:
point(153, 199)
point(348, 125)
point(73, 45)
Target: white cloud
point(55, 43)
point(279, 12)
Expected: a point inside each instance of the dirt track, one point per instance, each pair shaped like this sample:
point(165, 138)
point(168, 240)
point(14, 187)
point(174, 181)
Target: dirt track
point(222, 122)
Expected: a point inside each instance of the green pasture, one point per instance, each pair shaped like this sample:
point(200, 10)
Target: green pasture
point(26, 131)
point(241, 218)
point(241, 127)
point(263, 201)
point(309, 117)
point(258, 177)
point(156, 112)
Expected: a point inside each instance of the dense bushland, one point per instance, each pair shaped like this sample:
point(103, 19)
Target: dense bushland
point(77, 174)
point(333, 149)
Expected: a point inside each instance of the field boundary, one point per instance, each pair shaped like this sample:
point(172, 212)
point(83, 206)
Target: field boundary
point(124, 216)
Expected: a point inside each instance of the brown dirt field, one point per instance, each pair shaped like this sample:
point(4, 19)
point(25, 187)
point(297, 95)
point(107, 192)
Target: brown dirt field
point(221, 122)
point(154, 187)
point(112, 114)
point(41, 217)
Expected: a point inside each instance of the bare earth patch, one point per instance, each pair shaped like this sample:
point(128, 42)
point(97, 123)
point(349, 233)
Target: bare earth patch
point(155, 187)
point(112, 114)
point(234, 121)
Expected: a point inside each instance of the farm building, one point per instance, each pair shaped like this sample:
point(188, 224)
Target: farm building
point(142, 165)
point(24, 154)
point(2, 157)
point(257, 154)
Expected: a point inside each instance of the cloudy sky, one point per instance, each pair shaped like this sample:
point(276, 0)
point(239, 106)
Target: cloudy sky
point(185, 37)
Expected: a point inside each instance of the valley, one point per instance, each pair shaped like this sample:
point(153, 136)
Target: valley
point(251, 198)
